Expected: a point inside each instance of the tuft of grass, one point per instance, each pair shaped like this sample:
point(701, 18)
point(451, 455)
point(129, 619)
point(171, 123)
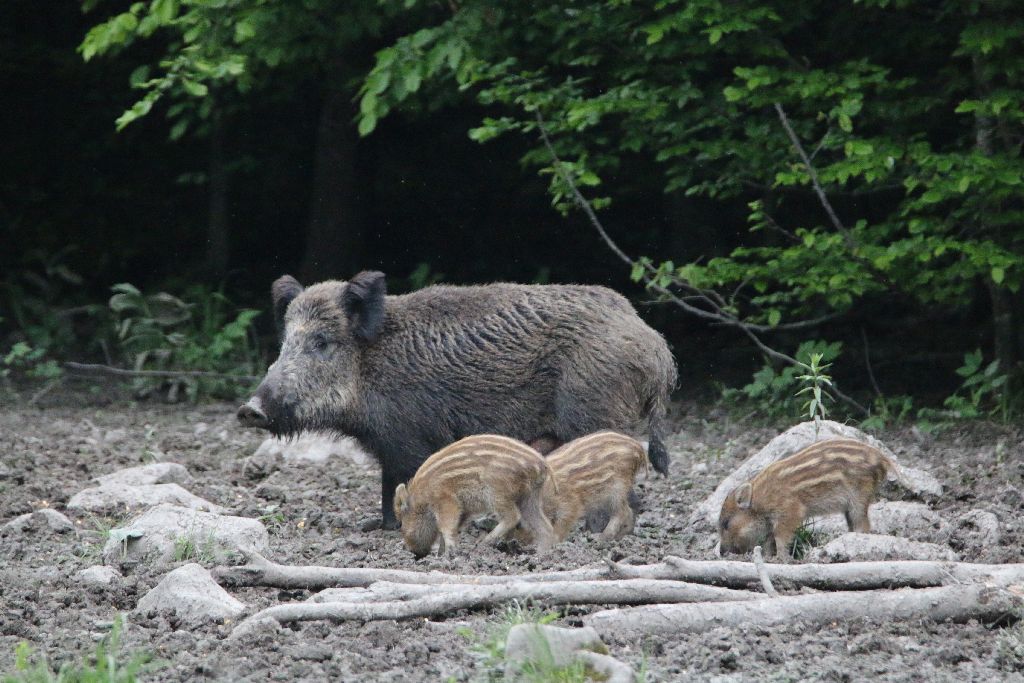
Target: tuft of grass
point(106, 665)
point(804, 539)
point(190, 548)
point(489, 650)
point(1009, 648)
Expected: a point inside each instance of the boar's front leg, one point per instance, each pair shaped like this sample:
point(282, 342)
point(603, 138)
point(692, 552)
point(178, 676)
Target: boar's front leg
point(388, 482)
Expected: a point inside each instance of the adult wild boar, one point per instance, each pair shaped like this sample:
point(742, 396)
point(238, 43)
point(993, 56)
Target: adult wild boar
point(407, 375)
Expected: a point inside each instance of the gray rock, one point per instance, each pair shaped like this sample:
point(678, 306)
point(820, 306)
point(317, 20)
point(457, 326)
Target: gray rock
point(116, 497)
point(550, 645)
point(788, 443)
point(915, 521)
point(854, 547)
point(610, 669)
point(258, 629)
point(98, 575)
point(154, 473)
point(153, 535)
point(44, 519)
point(191, 595)
point(976, 528)
point(315, 448)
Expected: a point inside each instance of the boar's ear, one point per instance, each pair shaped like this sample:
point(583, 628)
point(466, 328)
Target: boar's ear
point(284, 289)
point(401, 500)
point(743, 494)
point(363, 302)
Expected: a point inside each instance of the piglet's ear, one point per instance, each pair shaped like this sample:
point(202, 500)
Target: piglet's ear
point(743, 495)
point(363, 302)
point(401, 500)
point(284, 289)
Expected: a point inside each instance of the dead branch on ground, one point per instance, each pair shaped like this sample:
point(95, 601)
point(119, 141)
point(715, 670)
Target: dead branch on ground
point(955, 603)
point(97, 368)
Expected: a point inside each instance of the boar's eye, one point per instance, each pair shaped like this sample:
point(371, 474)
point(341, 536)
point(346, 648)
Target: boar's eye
point(321, 343)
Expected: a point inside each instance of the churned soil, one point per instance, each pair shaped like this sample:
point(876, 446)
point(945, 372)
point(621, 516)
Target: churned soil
point(314, 514)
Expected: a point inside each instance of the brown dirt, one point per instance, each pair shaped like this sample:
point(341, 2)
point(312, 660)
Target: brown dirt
point(48, 454)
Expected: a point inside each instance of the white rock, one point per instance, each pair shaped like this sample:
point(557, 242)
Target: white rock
point(788, 443)
point(114, 497)
point(978, 526)
point(190, 594)
point(200, 428)
point(152, 535)
point(610, 669)
point(154, 473)
point(551, 644)
point(264, 626)
point(915, 521)
point(98, 575)
point(854, 547)
point(44, 518)
point(313, 447)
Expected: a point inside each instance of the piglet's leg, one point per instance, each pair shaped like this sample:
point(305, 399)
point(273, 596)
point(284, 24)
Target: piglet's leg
point(857, 518)
point(620, 523)
point(785, 530)
point(508, 519)
point(448, 514)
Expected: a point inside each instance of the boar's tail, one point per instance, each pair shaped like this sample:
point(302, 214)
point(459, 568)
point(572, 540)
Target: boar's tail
point(656, 451)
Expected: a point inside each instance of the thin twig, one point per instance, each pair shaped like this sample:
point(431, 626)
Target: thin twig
point(867, 362)
point(122, 372)
point(762, 574)
point(718, 314)
point(47, 388)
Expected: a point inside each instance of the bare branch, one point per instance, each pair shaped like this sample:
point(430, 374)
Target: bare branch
point(717, 314)
point(867, 363)
point(96, 368)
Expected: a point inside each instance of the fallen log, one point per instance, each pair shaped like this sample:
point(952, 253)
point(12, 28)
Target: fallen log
point(622, 592)
point(427, 601)
point(848, 575)
point(956, 603)
point(843, 576)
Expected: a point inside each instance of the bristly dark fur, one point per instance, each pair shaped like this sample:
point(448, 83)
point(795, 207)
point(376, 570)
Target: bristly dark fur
point(407, 375)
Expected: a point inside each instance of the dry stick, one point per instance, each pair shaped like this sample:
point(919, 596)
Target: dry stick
point(122, 372)
point(845, 576)
point(762, 573)
point(432, 602)
point(36, 397)
point(867, 362)
point(719, 314)
point(956, 603)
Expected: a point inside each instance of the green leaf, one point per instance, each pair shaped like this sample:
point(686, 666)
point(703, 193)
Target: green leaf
point(366, 124)
point(194, 88)
point(998, 274)
point(774, 317)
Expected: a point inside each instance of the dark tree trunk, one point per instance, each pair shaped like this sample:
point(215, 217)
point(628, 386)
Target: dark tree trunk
point(334, 232)
point(217, 238)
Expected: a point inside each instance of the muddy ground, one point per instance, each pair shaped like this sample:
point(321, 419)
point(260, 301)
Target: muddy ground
point(50, 452)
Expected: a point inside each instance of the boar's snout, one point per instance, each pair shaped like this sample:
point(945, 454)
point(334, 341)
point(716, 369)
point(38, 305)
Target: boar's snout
point(251, 414)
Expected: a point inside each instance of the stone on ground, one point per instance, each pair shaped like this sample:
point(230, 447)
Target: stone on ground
point(789, 442)
point(550, 645)
point(154, 473)
point(192, 596)
point(156, 534)
point(44, 519)
point(118, 498)
point(977, 528)
point(315, 448)
point(915, 521)
point(855, 547)
point(98, 575)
